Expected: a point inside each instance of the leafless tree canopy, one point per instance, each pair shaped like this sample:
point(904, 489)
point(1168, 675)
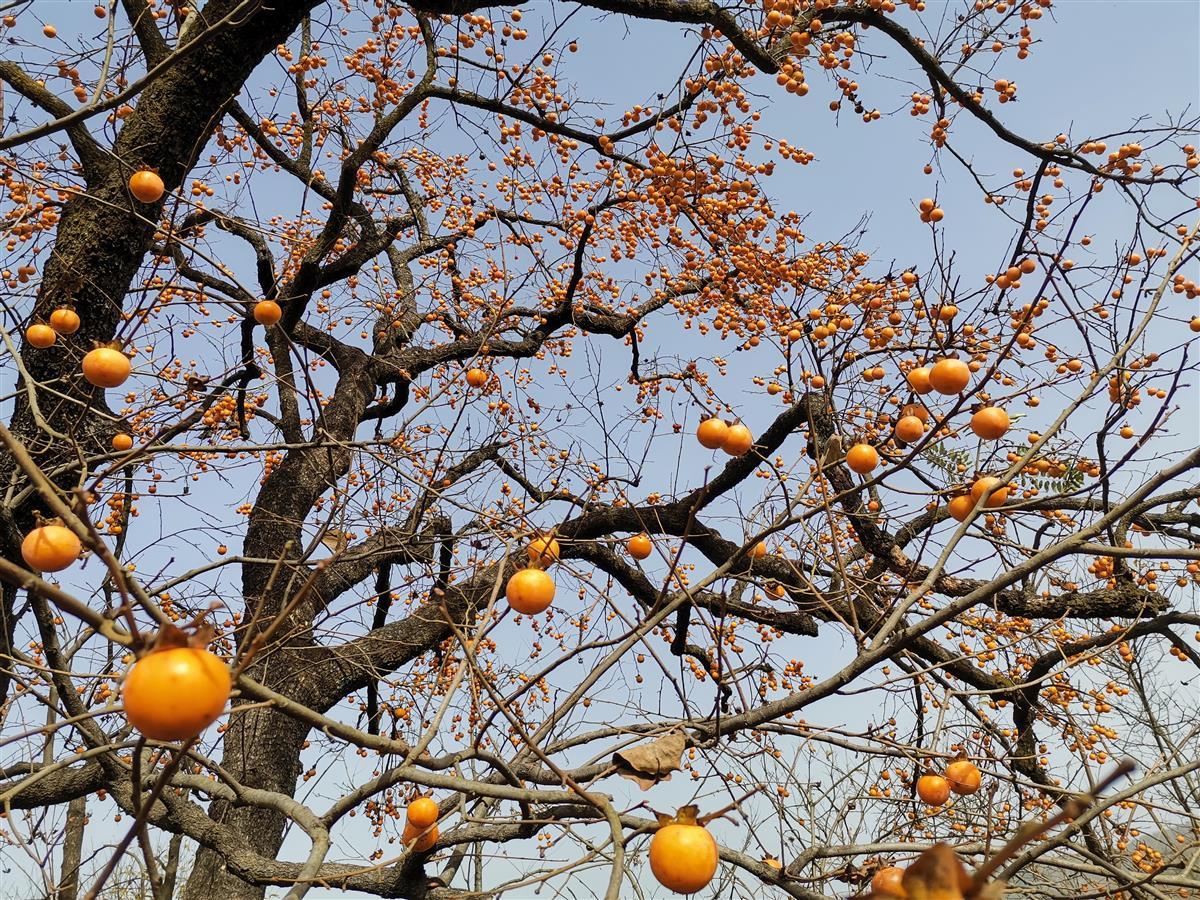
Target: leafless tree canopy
point(507, 302)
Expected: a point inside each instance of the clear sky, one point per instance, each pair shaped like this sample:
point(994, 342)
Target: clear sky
point(1100, 66)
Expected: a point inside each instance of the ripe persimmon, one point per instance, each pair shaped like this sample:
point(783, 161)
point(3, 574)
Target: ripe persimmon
point(122, 442)
point(983, 485)
point(530, 591)
point(420, 838)
point(543, 550)
point(146, 186)
point(267, 312)
point(174, 694)
point(106, 367)
point(50, 548)
point(65, 320)
point(918, 380)
point(40, 336)
point(758, 551)
point(990, 423)
point(915, 409)
point(683, 855)
point(639, 546)
point(422, 812)
point(738, 439)
point(949, 376)
point(476, 377)
point(712, 433)
point(862, 458)
point(889, 881)
point(960, 507)
point(909, 429)
point(933, 790)
point(963, 776)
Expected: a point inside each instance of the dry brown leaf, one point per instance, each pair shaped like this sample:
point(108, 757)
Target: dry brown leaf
point(938, 874)
point(648, 764)
point(336, 541)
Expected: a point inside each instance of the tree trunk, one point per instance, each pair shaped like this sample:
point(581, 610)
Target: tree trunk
point(262, 749)
point(72, 854)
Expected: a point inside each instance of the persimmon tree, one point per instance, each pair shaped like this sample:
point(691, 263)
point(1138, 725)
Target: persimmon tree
point(497, 440)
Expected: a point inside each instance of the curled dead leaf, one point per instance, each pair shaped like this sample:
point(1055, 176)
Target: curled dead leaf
point(648, 764)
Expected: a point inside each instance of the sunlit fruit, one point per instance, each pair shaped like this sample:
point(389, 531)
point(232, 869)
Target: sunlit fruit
point(933, 789)
point(40, 336)
point(918, 380)
point(422, 812)
point(476, 378)
point(50, 548)
point(712, 433)
point(983, 485)
point(889, 881)
point(990, 423)
point(122, 442)
point(683, 857)
point(639, 546)
point(963, 776)
point(65, 320)
point(738, 439)
point(530, 591)
point(420, 841)
point(758, 551)
point(267, 312)
point(543, 550)
point(915, 409)
point(960, 507)
point(862, 458)
point(146, 186)
point(949, 376)
point(174, 694)
point(909, 429)
point(106, 368)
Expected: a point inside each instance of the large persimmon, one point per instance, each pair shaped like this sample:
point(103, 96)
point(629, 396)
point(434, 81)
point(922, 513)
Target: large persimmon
point(989, 483)
point(530, 591)
point(174, 694)
point(918, 380)
point(683, 855)
point(712, 433)
point(146, 186)
point(420, 838)
point(964, 776)
point(949, 376)
point(862, 458)
point(738, 440)
point(40, 335)
point(909, 429)
point(422, 812)
point(106, 367)
point(990, 423)
point(65, 320)
point(933, 789)
point(639, 546)
point(543, 550)
point(889, 881)
point(267, 312)
point(50, 548)
point(960, 507)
